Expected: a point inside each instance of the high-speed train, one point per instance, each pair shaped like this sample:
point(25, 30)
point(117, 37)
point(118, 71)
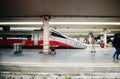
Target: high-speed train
point(35, 39)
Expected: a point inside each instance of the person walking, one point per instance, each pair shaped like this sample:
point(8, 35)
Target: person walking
point(116, 44)
point(52, 50)
point(93, 42)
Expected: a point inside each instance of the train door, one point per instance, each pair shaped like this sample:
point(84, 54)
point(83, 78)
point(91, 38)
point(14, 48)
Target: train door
point(35, 39)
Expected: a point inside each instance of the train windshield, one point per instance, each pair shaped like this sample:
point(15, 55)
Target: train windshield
point(57, 33)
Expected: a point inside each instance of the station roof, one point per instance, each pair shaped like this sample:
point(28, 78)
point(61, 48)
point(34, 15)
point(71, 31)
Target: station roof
point(35, 8)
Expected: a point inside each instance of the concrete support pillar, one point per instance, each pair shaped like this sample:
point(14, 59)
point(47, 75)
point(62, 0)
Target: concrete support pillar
point(105, 37)
point(35, 39)
point(46, 35)
point(78, 38)
point(32, 38)
point(89, 38)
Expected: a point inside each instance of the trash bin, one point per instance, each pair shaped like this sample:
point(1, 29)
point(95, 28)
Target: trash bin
point(18, 48)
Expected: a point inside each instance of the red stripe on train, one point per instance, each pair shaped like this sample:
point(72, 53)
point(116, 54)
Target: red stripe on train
point(31, 43)
point(28, 43)
point(9, 42)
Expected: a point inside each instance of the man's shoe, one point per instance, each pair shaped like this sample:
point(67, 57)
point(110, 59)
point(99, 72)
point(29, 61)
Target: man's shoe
point(113, 56)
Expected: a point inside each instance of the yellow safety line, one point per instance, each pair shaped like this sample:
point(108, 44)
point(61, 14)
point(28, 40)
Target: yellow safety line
point(61, 64)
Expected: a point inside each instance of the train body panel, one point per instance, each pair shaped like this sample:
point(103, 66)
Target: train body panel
point(56, 38)
point(30, 43)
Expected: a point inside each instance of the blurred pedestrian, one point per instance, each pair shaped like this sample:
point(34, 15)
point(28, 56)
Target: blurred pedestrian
point(52, 50)
point(93, 42)
point(116, 44)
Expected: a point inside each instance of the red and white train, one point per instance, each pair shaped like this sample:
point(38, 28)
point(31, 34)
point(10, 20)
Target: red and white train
point(35, 39)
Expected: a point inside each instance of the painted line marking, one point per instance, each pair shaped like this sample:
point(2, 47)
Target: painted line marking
point(61, 64)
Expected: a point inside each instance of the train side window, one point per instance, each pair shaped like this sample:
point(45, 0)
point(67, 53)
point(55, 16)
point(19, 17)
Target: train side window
point(57, 35)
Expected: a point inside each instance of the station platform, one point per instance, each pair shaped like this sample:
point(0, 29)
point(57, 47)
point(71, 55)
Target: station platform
point(80, 63)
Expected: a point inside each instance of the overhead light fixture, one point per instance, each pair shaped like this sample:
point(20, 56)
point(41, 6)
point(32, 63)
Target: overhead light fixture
point(21, 23)
point(24, 28)
point(60, 23)
point(85, 23)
